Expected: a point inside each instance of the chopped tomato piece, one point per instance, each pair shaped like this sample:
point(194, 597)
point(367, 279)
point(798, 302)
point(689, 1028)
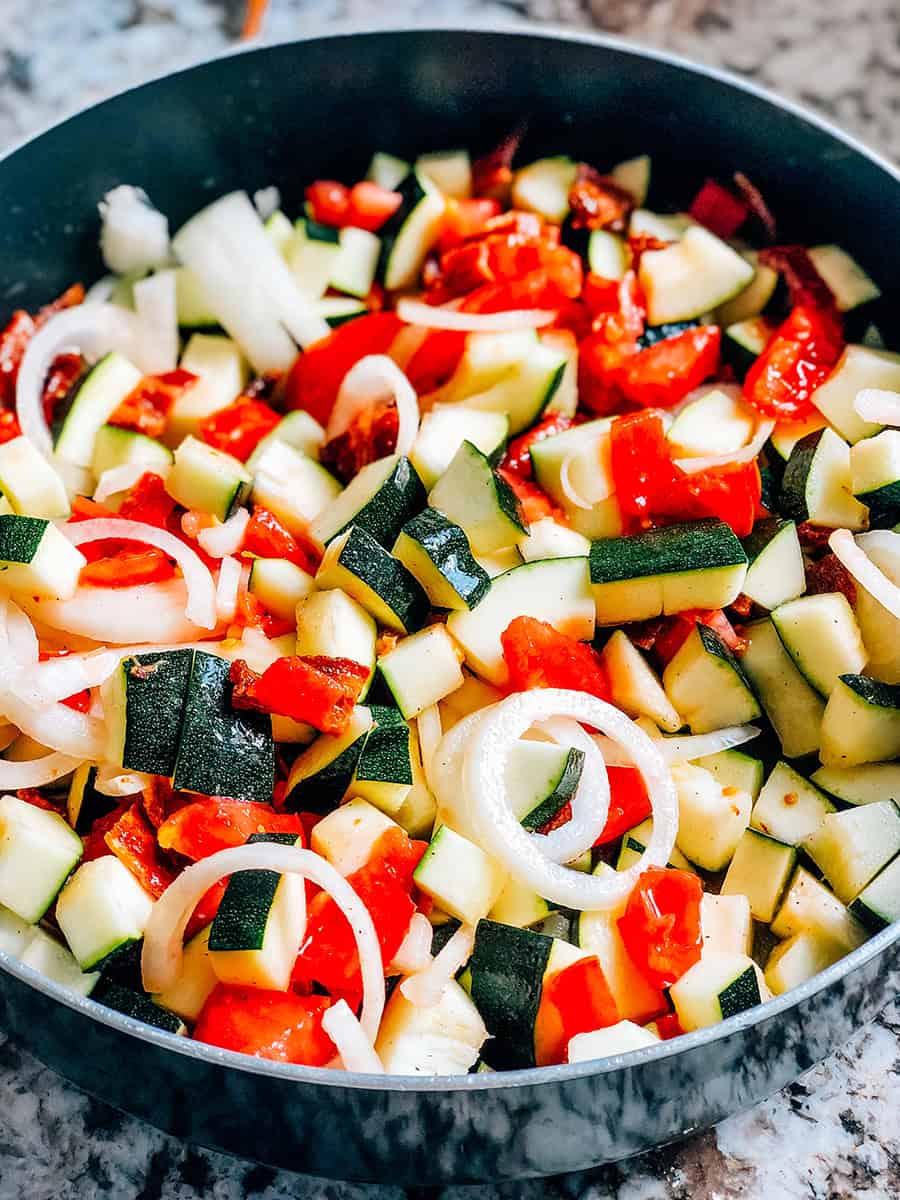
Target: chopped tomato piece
point(730, 493)
point(663, 374)
point(619, 318)
point(598, 202)
point(517, 459)
point(80, 701)
point(314, 689)
point(464, 219)
point(9, 427)
point(511, 257)
point(718, 209)
point(239, 428)
point(661, 924)
point(668, 1026)
point(64, 372)
point(435, 360)
point(216, 823)
point(266, 537)
point(370, 205)
point(537, 655)
point(158, 799)
point(329, 201)
point(372, 434)
point(830, 575)
point(128, 568)
point(641, 462)
point(148, 501)
point(95, 841)
point(629, 803)
point(280, 1026)
point(37, 798)
point(205, 912)
point(133, 842)
point(574, 1000)
point(146, 408)
point(317, 374)
point(797, 359)
point(19, 331)
point(328, 956)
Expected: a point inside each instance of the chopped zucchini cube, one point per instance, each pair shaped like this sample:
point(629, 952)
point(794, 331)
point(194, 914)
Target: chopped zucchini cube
point(727, 924)
point(846, 280)
point(794, 708)
point(379, 582)
point(540, 778)
point(472, 495)
point(634, 843)
point(543, 187)
point(878, 904)
point(460, 878)
point(421, 670)
point(409, 233)
point(140, 1007)
point(101, 910)
point(437, 553)
point(711, 818)
point(851, 847)
point(347, 836)
point(143, 702)
point(279, 585)
point(380, 499)
point(90, 405)
point(207, 479)
point(759, 870)
point(691, 277)
point(518, 905)
point(798, 959)
point(37, 559)
point(717, 987)
point(507, 977)
point(15, 934)
point(47, 956)
point(321, 774)
point(581, 453)
point(706, 685)
point(822, 637)
point(816, 485)
point(860, 785)
point(861, 722)
point(333, 624)
point(196, 980)
point(776, 572)
point(388, 765)
point(733, 768)
point(789, 808)
point(634, 685)
point(256, 933)
point(38, 850)
point(875, 472)
point(546, 538)
point(859, 367)
point(808, 906)
point(296, 488)
point(443, 430)
point(29, 482)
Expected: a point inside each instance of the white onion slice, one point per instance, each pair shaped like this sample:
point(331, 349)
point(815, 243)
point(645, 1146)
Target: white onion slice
point(446, 773)
point(95, 330)
point(163, 937)
point(501, 834)
point(414, 312)
point(356, 1050)
point(425, 988)
point(406, 343)
point(157, 313)
point(376, 377)
point(691, 466)
point(149, 613)
point(428, 727)
point(134, 236)
point(570, 491)
point(100, 292)
point(267, 201)
point(414, 952)
point(58, 678)
point(879, 406)
point(23, 641)
point(120, 479)
point(113, 781)
point(864, 570)
point(227, 588)
point(14, 775)
point(682, 749)
point(227, 538)
point(56, 726)
point(201, 592)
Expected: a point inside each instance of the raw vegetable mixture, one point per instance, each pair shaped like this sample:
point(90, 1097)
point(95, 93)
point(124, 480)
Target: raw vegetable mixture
point(385, 594)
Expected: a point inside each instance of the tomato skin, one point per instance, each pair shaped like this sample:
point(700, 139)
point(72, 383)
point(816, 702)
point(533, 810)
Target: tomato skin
point(464, 219)
point(217, 823)
point(370, 205)
point(280, 1026)
point(316, 376)
point(799, 357)
point(266, 537)
point(328, 955)
point(329, 201)
point(641, 464)
point(574, 1000)
point(128, 568)
point(731, 493)
point(435, 360)
point(113, 563)
point(239, 428)
point(537, 655)
point(19, 331)
point(146, 408)
point(314, 689)
point(63, 374)
point(533, 500)
point(205, 912)
point(9, 427)
point(598, 202)
point(669, 1026)
point(133, 842)
point(629, 803)
point(619, 316)
point(661, 924)
point(720, 211)
point(663, 374)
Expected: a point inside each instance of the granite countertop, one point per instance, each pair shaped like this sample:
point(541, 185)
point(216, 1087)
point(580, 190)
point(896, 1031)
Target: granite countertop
point(834, 1135)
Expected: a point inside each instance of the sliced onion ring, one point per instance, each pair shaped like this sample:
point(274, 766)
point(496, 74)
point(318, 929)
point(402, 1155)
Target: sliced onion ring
point(58, 678)
point(356, 1050)
point(229, 582)
point(864, 570)
point(227, 538)
point(682, 749)
point(376, 377)
point(590, 804)
point(878, 406)
point(425, 988)
point(201, 591)
point(113, 781)
point(150, 613)
point(428, 316)
point(691, 466)
point(14, 775)
point(414, 952)
point(163, 938)
point(501, 834)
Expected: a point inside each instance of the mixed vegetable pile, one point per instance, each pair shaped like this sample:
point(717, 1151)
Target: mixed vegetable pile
point(385, 596)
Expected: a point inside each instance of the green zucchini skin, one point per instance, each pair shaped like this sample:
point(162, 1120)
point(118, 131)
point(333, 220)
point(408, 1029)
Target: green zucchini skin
point(385, 755)
point(223, 751)
point(793, 481)
point(399, 498)
point(507, 966)
point(322, 793)
point(447, 546)
point(20, 537)
point(661, 333)
point(364, 557)
point(240, 923)
point(139, 1006)
point(411, 194)
point(155, 690)
point(873, 692)
point(693, 545)
point(561, 794)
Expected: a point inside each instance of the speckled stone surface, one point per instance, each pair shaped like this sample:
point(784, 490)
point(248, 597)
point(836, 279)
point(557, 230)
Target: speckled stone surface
point(834, 1135)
